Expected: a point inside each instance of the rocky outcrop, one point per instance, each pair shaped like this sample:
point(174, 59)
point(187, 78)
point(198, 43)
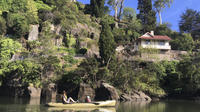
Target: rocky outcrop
point(49, 93)
point(58, 41)
point(134, 96)
point(33, 33)
point(85, 90)
point(104, 91)
point(55, 29)
point(83, 30)
point(34, 92)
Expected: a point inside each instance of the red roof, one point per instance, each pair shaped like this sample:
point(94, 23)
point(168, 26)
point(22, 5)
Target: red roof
point(155, 37)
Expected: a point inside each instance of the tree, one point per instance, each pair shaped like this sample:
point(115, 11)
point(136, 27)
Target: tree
point(97, 7)
point(160, 5)
point(190, 23)
point(146, 15)
point(187, 20)
point(183, 42)
point(117, 5)
point(121, 9)
point(129, 14)
point(106, 43)
point(163, 29)
point(189, 75)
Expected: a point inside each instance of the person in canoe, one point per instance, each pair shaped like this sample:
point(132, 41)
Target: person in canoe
point(66, 100)
point(88, 99)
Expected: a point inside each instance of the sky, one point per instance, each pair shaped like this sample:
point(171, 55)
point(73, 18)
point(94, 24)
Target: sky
point(170, 15)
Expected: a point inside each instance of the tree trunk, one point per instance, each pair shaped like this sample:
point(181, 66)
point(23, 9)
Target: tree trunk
point(121, 8)
point(160, 17)
point(116, 11)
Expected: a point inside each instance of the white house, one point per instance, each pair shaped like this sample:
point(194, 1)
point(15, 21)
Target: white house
point(149, 40)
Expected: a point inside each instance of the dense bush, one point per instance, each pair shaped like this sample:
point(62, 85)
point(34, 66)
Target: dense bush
point(17, 24)
point(183, 42)
point(8, 48)
point(3, 26)
point(27, 73)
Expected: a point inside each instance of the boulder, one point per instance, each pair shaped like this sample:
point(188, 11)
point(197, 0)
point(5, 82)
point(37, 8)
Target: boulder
point(104, 91)
point(49, 93)
point(55, 29)
point(33, 33)
point(17, 57)
point(58, 41)
point(85, 90)
point(34, 92)
point(134, 96)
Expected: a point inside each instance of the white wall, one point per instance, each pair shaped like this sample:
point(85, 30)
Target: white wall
point(155, 44)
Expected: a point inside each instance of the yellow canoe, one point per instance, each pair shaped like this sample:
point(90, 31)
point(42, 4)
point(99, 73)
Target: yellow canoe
point(109, 103)
point(99, 109)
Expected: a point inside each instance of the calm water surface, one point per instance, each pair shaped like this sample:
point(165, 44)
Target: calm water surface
point(21, 105)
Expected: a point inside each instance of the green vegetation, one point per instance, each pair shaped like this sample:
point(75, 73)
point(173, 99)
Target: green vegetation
point(146, 15)
point(76, 43)
point(106, 43)
point(8, 49)
point(183, 42)
point(97, 8)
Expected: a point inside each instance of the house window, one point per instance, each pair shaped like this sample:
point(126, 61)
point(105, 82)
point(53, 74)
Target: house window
point(147, 42)
point(161, 42)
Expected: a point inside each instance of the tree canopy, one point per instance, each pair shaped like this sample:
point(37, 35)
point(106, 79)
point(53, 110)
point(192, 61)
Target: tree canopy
point(146, 15)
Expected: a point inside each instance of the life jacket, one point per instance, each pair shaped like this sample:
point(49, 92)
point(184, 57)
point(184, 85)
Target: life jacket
point(64, 97)
point(88, 100)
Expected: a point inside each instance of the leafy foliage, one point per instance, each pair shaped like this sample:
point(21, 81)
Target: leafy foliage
point(183, 42)
point(187, 20)
point(97, 8)
point(160, 5)
point(2, 26)
point(189, 23)
point(8, 48)
point(17, 24)
point(146, 15)
point(129, 14)
point(26, 72)
point(163, 29)
point(106, 43)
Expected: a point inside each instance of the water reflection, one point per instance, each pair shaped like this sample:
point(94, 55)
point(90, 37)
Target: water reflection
point(33, 105)
point(165, 106)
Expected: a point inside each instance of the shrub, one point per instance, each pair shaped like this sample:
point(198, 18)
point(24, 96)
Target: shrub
point(18, 24)
point(2, 26)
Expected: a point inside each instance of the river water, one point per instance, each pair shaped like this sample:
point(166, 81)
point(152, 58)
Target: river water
point(20, 105)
